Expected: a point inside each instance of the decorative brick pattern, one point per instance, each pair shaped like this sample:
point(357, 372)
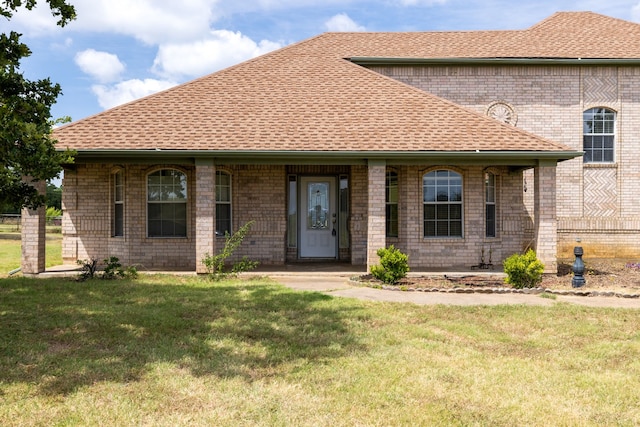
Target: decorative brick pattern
point(600, 192)
point(600, 89)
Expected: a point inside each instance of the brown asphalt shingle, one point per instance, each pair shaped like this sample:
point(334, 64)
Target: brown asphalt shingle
point(307, 97)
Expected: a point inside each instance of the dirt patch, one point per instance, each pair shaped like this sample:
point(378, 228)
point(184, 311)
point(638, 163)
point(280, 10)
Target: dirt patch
point(616, 275)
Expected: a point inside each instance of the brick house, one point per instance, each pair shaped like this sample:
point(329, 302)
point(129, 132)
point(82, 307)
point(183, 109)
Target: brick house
point(455, 147)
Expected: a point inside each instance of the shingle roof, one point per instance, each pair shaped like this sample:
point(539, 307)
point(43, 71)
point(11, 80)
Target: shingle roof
point(307, 97)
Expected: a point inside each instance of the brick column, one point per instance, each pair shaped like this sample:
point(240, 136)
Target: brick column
point(546, 224)
point(34, 236)
point(205, 200)
point(376, 237)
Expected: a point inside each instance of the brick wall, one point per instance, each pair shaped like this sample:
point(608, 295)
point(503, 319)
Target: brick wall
point(460, 253)
point(259, 193)
point(549, 101)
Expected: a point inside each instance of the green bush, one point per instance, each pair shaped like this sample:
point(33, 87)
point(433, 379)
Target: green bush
point(394, 265)
point(523, 271)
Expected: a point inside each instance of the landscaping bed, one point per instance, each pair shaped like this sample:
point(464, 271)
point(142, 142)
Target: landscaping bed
point(604, 277)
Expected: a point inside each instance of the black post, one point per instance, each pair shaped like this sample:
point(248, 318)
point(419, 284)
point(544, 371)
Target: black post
point(578, 268)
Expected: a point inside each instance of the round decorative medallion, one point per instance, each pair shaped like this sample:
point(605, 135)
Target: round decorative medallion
point(502, 112)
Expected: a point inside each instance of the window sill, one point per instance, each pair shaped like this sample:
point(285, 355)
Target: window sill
point(602, 165)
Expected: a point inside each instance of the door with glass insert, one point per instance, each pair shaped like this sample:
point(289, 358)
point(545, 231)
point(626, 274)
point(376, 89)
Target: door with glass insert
point(318, 217)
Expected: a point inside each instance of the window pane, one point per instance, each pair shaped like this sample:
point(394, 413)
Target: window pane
point(154, 211)
point(391, 193)
point(430, 229)
point(223, 187)
point(430, 212)
point(442, 212)
point(456, 228)
point(292, 221)
point(442, 228)
point(118, 220)
point(455, 211)
point(344, 212)
point(223, 219)
point(490, 220)
point(155, 228)
point(429, 194)
point(456, 194)
point(392, 220)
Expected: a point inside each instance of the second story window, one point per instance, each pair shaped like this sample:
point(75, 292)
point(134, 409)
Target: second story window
point(599, 135)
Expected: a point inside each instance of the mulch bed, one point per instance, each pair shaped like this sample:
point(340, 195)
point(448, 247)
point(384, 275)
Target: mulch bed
point(604, 277)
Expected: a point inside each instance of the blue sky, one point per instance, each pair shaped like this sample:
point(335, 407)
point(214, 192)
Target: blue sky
point(120, 50)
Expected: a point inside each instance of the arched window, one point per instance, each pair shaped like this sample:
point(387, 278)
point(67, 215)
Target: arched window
point(391, 201)
point(442, 194)
point(223, 203)
point(598, 135)
point(167, 203)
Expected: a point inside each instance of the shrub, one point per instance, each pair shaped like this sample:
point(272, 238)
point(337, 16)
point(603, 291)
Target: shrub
point(112, 270)
point(394, 265)
point(88, 268)
point(523, 271)
point(215, 264)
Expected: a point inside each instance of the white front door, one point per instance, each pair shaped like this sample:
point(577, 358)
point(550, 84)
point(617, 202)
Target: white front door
point(318, 217)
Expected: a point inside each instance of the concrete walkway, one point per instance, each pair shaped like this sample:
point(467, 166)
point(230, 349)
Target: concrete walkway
point(338, 284)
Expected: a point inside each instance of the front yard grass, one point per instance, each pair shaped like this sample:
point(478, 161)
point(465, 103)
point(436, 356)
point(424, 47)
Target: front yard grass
point(175, 351)
point(10, 249)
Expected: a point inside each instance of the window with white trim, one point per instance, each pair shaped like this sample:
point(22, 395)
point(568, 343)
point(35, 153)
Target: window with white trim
point(598, 135)
point(442, 194)
point(223, 203)
point(167, 203)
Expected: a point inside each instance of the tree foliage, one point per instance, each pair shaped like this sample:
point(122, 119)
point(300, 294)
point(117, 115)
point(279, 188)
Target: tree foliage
point(26, 147)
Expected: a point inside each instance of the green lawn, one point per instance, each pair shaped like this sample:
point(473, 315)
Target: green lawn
point(10, 249)
point(177, 351)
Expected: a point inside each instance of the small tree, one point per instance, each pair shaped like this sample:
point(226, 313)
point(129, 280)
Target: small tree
point(394, 265)
point(523, 271)
point(215, 264)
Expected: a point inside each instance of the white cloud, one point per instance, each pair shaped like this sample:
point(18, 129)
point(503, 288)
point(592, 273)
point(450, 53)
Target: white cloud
point(102, 66)
point(129, 90)
point(35, 22)
point(342, 22)
point(150, 21)
point(220, 50)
